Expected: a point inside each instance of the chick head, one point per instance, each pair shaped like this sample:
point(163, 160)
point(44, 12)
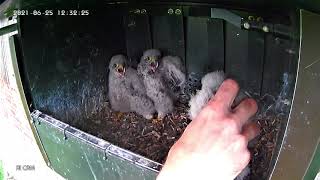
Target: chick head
point(117, 65)
point(152, 57)
point(213, 80)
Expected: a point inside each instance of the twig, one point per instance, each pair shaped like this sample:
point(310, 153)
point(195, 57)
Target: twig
point(142, 133)
point(172, 122)
point(172, 127)
point(156, 134)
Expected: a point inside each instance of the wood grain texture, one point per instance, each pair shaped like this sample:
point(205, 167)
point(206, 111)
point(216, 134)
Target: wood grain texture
point(138, 36)
point(168, 35)
point(244, 57)
point(205, 45)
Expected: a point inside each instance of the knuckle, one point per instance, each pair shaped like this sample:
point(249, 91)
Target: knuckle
point(232, 123)
point(230, 127)
point(240, 143)
point(210, 111)
point(235, 118)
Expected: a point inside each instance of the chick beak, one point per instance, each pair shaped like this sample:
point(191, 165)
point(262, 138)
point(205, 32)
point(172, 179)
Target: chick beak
point(121, 70)
point(154, 64)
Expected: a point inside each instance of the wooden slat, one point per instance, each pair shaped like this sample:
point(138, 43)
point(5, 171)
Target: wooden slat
point(138, 36)
point(205, 45)
point(244, 57)
point(168, 35)
point(215, 44)
point(196, 44)
point(279, 59)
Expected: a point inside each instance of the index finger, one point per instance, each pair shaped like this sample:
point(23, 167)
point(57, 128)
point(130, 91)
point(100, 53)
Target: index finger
point(226, 94)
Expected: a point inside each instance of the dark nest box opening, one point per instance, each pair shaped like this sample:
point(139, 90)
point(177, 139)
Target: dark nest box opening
point(65, 60)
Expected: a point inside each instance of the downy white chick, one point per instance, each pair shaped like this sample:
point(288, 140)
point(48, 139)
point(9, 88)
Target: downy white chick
point(170, 68)
point(156, 89)
point(210, 84)
point(126, 90)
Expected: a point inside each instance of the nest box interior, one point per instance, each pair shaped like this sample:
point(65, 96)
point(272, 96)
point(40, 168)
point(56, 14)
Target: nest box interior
point(64, 62)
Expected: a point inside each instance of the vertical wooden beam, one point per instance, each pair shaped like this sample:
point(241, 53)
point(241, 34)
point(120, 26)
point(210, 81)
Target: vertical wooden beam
point(279, 59)
point(244, 57)
point(205, 45)
point(168, 35)
point(138, 36)
point(215, 44)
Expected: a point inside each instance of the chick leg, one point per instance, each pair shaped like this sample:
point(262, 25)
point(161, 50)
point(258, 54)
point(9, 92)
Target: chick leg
point(149, 116)
point(159, 118)
point(119, 115)
point(161, 115)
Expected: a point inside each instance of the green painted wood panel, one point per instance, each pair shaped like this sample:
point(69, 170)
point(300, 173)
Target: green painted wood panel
point(314, 167)
point(74, 158)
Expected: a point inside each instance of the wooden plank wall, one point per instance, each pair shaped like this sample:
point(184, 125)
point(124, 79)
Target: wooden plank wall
point(138, 36)
point(79, 53)
point(168, 35)
point(244, 57)
point(281, 57)
point(207, 44)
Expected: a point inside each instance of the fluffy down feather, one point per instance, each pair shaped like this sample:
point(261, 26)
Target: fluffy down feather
point(156, 90)
point(170, 68)
point(173, 71)
point(126, 90)
point(210, 83)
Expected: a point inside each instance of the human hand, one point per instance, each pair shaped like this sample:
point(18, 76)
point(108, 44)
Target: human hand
point(214, 145)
